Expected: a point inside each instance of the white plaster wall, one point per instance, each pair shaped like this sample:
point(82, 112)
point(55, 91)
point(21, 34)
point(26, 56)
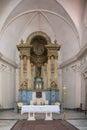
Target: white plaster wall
point(77, 88)
point(84, 38)
point(83, 94)
point(0, 87)
point(72, 81)
point(84, 80)
point(17, 84)
point(8, 87)
point(75, 8)
point(60, 84)
point(85, 15)
point(69, 83)
point(5, 8)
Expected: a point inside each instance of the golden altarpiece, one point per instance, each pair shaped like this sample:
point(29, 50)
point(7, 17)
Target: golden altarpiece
point(38, 69)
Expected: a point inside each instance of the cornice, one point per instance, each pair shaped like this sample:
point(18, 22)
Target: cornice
point(84, 67)
point(80, 54)
point(8, 61)
point(67, 62)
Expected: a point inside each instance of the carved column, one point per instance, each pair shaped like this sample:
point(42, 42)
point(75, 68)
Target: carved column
point(48, 73)
point(21, 72)
point(42, 71)
point(28, 72)
point(33, 76)
point(34, 71)
point(43, 76)
point(56, 69)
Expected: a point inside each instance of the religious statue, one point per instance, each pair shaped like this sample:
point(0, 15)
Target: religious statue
point(53, 85)
point(38, 71)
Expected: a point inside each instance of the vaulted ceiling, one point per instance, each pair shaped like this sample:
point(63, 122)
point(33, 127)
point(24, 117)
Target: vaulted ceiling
point(62, 20)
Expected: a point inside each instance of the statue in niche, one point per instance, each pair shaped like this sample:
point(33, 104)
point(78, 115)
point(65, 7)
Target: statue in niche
point(38, 70)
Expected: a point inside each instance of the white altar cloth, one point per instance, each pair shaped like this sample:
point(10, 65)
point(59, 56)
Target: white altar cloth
point(40, 109)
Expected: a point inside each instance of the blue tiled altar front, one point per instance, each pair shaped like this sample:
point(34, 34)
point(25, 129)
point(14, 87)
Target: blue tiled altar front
point(51, 95)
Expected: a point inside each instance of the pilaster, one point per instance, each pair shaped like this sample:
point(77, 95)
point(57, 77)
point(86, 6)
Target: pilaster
point(21, 72)
point(56, 70)
point(28, 72)
point(48, 73)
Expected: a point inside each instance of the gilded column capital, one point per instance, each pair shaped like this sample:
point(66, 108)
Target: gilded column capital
point(21, 57)
point(28, 57)
point(49, 57)
point(56, 57)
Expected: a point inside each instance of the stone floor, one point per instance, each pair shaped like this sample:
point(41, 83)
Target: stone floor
point(78, 119)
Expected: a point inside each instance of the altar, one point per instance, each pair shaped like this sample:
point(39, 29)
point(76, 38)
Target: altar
point(47, 109)
point(38, 69)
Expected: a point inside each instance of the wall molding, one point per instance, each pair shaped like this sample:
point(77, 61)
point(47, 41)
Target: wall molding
point(79, 55)
point(8, 61)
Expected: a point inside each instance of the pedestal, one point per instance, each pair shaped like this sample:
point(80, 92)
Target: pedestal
point(31, 116)
point(48, 116)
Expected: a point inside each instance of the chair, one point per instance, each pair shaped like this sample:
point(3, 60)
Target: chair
point(19, 106)
point(57, 103)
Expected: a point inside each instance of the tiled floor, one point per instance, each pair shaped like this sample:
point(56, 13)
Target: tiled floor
point(78, 119)
point(6, 124)
point(80, 124)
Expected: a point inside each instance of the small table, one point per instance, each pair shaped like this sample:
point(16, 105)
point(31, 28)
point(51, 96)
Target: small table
point(32, 109)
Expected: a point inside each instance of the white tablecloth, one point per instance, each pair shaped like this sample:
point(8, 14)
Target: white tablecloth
point(40, 108)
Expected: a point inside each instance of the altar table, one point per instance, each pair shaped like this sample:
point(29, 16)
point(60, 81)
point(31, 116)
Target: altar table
point(32, 109)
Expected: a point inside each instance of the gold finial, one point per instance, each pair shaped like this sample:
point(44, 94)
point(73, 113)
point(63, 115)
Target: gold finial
point(22, 41)
point(55, 41)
